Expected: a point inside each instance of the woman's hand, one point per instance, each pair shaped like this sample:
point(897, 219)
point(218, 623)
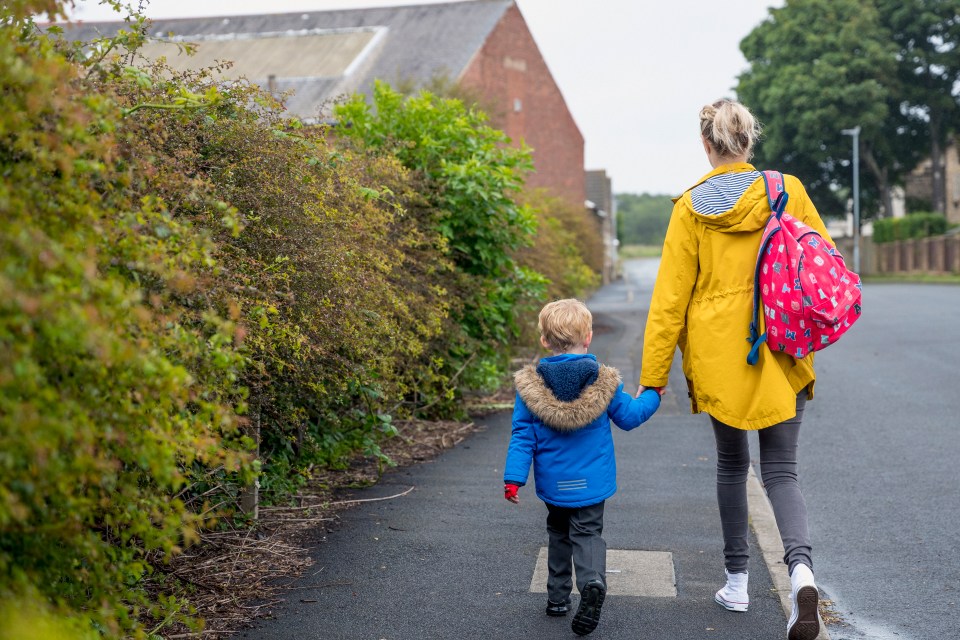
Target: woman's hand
point(660, 390)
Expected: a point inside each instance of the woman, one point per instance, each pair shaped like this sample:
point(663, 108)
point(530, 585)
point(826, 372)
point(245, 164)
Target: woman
point(702, 302)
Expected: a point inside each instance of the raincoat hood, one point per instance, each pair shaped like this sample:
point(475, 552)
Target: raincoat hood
point(567, 376)
point(749, 214)
point(568, 391)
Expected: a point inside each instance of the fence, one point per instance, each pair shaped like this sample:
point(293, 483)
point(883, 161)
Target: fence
point(934, 255)
point(868, 251)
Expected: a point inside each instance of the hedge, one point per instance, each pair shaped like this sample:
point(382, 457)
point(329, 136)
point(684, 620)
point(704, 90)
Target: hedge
point(183, 268)
point(915, 225)
point(471, 177)
point(118, 385)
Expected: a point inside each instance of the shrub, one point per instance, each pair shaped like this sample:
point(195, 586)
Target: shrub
point(471, 178)
point(183, 268)
point(31, 617)
point(915, 225)
point(330, 262)
point(113, 385)
point(567, 248)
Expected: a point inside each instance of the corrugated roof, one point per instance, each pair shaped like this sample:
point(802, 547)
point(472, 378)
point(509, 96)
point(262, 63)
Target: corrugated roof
point(409, 44)
point(325, 54)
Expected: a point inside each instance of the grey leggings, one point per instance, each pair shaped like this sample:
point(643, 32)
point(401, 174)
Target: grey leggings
point(778, 470)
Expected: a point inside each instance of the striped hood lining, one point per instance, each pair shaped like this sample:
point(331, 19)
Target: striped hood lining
point(719, 194)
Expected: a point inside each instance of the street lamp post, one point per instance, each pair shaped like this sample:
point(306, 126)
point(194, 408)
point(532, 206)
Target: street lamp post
point(855, 132)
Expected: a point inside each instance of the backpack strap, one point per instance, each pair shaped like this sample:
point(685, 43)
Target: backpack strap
point(777, 197)
point(773, 183)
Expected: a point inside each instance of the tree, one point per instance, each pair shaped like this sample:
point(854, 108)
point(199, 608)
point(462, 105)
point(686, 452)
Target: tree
point(818, 67)
point(927, 37)
point(643, 218)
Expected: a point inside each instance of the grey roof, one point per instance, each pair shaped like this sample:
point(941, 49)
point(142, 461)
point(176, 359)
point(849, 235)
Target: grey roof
point(412, 44)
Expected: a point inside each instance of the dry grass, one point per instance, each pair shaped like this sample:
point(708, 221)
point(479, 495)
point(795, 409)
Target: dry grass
point(828, 614)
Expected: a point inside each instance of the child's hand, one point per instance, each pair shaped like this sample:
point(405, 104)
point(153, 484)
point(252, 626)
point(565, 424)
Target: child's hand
point(510, 493)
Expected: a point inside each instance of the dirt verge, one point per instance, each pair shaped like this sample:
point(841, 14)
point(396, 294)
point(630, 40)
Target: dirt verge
point(234, 577)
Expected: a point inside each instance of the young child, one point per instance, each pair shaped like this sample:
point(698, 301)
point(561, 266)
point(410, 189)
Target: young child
point(561, 423)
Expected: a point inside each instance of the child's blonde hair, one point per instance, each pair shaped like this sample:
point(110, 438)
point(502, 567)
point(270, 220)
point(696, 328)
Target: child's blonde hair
point(565, 324)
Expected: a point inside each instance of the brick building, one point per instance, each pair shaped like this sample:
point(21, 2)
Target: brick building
point(510, 72)
point(484, 46)
point(601, 202)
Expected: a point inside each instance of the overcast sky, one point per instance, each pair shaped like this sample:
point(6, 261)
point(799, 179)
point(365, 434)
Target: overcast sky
point(634, 73)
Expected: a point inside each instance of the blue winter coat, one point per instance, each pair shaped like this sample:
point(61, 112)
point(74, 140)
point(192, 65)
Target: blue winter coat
point(561, 423)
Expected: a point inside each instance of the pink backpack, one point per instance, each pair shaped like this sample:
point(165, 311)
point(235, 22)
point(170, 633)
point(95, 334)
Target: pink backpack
point(809, 296)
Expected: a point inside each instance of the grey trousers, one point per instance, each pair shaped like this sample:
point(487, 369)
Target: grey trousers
point(574, 542)
point(778, 471)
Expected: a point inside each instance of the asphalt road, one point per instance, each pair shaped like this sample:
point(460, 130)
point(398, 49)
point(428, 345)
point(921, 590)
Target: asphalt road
point(880, 463)
point(879, 456)
point(881, 466)
point(453, 560)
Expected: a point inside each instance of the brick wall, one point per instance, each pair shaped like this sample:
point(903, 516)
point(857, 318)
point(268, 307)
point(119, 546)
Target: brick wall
point(516, 86)
point(935, 255)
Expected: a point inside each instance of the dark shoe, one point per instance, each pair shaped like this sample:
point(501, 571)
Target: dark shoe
point(587, 617)
point(557, 609)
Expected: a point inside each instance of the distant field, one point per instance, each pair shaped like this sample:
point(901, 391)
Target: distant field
point(629, 251)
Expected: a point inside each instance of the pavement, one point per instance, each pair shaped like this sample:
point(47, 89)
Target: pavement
point(452, 559)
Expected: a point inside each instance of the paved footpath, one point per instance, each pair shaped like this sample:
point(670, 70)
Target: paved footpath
point(453, 560)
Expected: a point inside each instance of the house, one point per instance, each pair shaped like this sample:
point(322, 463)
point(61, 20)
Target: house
point(601, 202)
point(919, 184)
point(484, 46)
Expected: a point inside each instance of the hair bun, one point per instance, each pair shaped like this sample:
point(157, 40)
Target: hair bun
point(730, 128)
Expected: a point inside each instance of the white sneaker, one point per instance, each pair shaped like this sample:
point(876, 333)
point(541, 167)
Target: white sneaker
point(804, 621)
point(733, 596)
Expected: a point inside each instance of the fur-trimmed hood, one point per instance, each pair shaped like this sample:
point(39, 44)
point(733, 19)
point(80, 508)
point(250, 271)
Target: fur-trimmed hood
point(591, 403)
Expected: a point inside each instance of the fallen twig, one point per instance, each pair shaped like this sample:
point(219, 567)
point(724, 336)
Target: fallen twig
point(309, 519)
point(342, 583)
point(237, 558)
point(399, 495)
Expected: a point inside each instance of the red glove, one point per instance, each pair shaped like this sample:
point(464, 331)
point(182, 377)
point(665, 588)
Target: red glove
point(510, 492)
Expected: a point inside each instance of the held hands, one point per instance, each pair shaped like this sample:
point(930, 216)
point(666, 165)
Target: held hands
point(510, 492)
point(659, 390)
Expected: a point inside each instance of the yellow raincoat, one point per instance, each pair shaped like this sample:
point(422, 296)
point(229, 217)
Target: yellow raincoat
point(703, 303)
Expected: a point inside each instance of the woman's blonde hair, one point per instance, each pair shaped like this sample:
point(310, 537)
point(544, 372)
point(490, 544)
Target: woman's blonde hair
point(565, 324)
point(730, 128)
